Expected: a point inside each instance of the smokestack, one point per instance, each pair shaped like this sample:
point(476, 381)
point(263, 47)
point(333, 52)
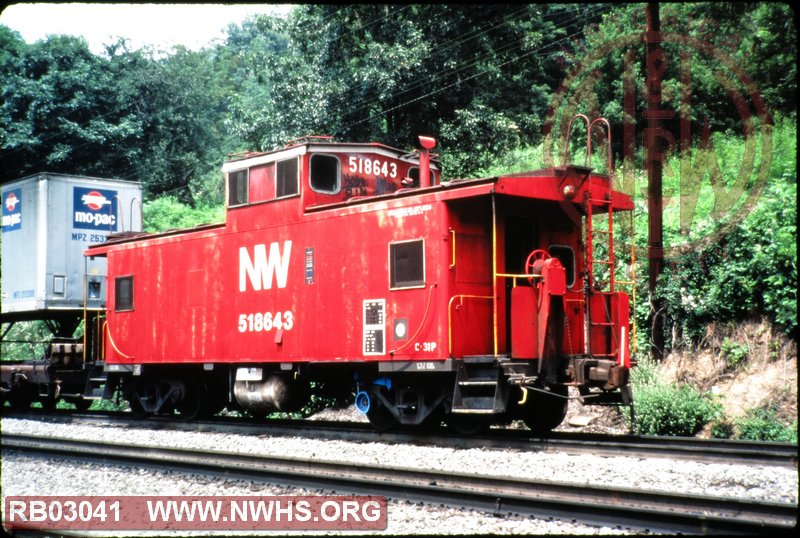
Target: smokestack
point(427, 144)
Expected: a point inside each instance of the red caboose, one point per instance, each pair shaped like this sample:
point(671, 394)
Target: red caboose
point(351, 268)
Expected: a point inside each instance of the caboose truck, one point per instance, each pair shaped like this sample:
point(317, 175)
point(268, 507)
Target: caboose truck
point(351, 268)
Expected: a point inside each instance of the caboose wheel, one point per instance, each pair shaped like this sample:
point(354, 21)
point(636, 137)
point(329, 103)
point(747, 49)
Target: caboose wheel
point(544, 412)
point(468, 424)
point(379, 415)
point(137, 409)
point(193, 404)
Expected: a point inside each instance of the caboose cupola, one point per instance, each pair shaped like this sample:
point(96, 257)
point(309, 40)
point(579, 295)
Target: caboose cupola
point(315, 171)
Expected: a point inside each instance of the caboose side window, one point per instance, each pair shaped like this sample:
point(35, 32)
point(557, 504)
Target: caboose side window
point(123, 293)
point(407, 264)
point(325, 174)
point(238, 188)
point(286, 178)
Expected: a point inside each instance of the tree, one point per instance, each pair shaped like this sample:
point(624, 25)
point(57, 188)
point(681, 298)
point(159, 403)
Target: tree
point(392, 72)
point(59, 112)
point(126, 114)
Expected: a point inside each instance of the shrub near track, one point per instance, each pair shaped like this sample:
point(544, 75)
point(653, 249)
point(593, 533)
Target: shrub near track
point(763, 424)
point(668, 408)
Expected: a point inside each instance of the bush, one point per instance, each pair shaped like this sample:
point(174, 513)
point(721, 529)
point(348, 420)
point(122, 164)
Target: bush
point(668, 409)
point(167, 213)
point(734, 353)
point(748, 272)
point(676, 410)
point(722, 429)
point(763, 425)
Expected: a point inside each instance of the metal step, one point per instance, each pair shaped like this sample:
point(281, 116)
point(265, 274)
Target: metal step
point(472, 411)
point(471, 383)
point(480, 359)
point(475, 405)
point(477, 388)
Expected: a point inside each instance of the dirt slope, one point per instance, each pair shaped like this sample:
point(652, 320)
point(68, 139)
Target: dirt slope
point(767, 376)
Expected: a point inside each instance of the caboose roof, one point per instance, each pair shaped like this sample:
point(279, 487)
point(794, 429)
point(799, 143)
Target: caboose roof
point(245, 160)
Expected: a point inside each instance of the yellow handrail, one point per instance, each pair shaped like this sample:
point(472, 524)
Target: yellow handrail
point(453, 233)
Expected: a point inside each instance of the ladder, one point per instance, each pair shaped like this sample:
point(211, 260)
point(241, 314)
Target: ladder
point(592, 200)
point(599, 194)
point(598, 200)
point(599, 320)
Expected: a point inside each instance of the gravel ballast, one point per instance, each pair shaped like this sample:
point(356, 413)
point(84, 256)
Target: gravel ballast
point(28, 475)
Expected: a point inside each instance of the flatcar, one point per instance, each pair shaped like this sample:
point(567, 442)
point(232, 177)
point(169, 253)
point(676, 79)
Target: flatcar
point(352, 268)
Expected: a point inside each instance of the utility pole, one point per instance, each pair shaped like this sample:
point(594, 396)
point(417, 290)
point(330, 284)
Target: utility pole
point(656, 65)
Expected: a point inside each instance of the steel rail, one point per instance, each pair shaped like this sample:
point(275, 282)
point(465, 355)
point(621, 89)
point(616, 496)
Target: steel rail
point(652, 511)
point(724, 451)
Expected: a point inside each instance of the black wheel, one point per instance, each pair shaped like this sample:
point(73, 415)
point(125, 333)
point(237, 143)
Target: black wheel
point(137, 409)
point(82, 404)
point(193, 404)
point(22, 396)
point(433, 421)
point(468, 423)
point(49, 403)
point(543, 412)
point(379, 415)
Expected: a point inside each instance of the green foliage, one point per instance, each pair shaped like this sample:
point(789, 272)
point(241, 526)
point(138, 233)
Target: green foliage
point(480, 132)
point(392, 72)
point(749, 269)
point(678, 410)
point(668, 409)
point(167, 213)
point(722, 429)
point(645, 373)
point(480, 80)
point(126, 114)
point(115, 405)
point(760, 38)
point(518, 159)
point(734, 353)
point(59, 110)
point(25, 340)
point(763, 425)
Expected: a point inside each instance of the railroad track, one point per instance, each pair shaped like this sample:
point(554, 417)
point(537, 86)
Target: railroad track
point(651, 511)
point(686, 448)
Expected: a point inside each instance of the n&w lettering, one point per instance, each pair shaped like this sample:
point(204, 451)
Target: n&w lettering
point(261, 268)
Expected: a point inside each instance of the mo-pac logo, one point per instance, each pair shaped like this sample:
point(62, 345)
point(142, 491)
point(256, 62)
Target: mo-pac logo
point(94, 209)
point(12, 210)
